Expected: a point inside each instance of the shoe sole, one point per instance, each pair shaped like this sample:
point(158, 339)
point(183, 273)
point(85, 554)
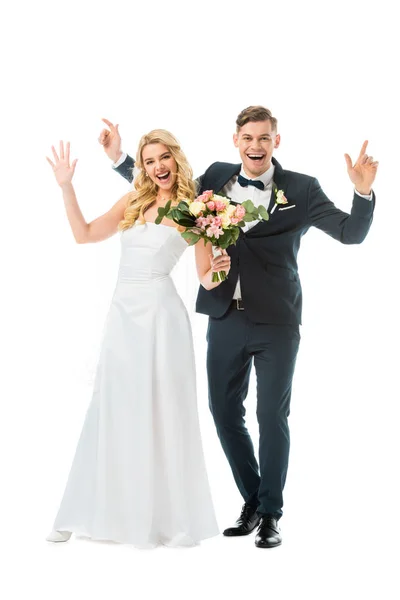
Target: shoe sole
point(269, 547)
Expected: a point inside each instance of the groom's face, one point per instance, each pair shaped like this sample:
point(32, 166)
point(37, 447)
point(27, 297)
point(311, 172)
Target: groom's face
point(256, 143)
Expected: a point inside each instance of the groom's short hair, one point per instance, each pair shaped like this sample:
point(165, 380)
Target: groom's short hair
point(254, 114)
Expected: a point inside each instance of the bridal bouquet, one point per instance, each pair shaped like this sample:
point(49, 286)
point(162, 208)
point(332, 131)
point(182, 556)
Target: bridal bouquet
point(213, 218)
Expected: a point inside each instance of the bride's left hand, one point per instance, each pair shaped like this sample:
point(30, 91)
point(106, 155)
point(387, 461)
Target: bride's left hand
point(221, 262)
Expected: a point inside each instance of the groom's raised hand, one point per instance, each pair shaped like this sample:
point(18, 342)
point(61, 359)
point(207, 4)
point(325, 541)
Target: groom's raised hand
point(363, 172)
point(110, 139)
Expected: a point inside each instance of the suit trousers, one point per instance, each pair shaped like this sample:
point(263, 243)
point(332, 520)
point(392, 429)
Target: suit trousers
point(234, 342)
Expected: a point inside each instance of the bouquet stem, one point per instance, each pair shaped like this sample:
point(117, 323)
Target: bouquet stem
point(219, 276)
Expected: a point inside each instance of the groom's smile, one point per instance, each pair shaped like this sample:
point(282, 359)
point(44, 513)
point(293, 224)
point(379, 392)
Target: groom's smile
point(257, 158)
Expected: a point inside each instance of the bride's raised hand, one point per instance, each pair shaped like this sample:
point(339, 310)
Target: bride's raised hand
point(62, 170)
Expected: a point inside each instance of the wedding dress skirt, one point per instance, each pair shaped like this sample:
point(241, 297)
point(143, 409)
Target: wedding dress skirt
point(139, 476)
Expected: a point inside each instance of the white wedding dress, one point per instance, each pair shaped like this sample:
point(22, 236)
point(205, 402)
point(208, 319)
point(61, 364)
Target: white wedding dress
point(139, 476)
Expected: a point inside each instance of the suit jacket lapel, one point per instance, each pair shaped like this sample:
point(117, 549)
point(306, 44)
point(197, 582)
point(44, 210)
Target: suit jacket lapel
point(225, 176)
point(279, 181)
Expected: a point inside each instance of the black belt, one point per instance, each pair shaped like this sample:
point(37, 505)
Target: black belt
point(237, 304)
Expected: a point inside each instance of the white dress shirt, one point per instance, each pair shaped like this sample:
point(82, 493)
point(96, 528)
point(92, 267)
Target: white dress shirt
point(121, 159)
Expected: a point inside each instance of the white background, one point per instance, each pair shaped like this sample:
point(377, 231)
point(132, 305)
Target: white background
point(329, 73)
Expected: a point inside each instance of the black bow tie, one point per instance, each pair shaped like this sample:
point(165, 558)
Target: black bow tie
point(245, 182)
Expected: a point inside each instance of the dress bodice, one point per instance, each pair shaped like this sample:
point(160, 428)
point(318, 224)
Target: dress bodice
point(149, 251)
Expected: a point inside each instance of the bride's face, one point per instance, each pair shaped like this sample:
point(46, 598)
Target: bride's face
point(160, 165)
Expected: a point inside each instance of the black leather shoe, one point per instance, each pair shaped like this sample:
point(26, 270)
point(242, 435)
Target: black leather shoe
point(268, 534)
point(246, 523)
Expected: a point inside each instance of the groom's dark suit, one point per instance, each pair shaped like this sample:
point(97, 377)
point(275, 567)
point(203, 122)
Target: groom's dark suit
point(267, 330)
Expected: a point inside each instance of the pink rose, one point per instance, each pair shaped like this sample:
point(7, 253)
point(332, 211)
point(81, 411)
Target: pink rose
point(217, 221)
point(207, 194)
point(235, 220)
point(219, 205)
point(240, 212)
point(210, 205)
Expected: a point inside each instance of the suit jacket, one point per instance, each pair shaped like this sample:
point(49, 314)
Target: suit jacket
point(265, 257)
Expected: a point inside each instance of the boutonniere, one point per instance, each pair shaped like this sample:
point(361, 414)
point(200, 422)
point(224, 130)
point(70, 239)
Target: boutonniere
point(280, 198)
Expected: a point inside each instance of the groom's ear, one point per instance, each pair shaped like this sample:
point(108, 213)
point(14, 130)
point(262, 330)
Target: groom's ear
point(277, 140)
point(236, 140)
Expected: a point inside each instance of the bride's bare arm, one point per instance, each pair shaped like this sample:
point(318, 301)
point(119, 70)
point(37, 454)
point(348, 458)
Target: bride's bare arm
point(97, 230)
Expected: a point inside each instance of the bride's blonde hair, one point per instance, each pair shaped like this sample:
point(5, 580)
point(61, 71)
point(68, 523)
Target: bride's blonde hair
point(145, 192)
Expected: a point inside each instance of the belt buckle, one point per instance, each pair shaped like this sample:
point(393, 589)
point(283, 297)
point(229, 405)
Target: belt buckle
point(239, 304)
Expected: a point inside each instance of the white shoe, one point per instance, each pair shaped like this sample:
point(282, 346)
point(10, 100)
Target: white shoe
point(59, 536)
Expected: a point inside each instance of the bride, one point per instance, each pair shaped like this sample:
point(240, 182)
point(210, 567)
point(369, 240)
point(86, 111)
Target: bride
point(138, 476)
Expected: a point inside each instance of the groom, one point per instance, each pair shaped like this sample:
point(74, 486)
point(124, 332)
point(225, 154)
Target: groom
point(254, 315)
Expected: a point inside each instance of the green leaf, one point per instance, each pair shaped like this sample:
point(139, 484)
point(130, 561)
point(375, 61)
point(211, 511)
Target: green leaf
point(225, 240)
point(248, 205)
point(161, 215)
point(190, 237)
point(177, 214)
point(183, 221)
point(183, 206)
point(248, 217)
point(163, 212)
point(263, 213)
point(235, 235)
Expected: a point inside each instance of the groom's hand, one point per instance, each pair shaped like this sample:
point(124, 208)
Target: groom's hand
point(110, 139)
point(363, 172)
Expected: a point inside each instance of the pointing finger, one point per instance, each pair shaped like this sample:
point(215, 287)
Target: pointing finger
point(107, 122)
point(363, 149)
